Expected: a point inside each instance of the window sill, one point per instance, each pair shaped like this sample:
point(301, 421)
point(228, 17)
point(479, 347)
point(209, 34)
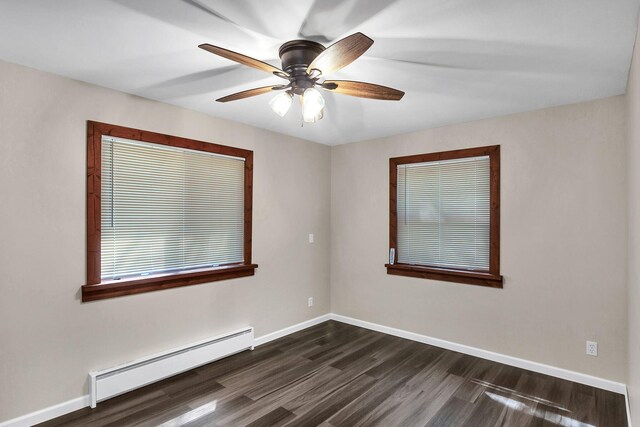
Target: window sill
point(118, 288)
point(467, 277)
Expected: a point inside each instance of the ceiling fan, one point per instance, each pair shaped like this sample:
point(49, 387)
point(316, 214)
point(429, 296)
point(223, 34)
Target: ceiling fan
point(304, 65)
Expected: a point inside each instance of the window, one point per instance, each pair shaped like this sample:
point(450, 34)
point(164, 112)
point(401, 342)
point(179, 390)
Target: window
point(164, 211)
point(445, 216)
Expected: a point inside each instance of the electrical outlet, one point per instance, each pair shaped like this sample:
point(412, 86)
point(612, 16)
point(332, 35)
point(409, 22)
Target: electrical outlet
point(310, 301)
point(311, 238)
point(592, 348)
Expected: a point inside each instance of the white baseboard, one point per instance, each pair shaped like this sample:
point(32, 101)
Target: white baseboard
point(291, 329)
point(490, 355)
point(49, 413)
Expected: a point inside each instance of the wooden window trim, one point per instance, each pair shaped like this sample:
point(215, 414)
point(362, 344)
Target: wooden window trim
point(492, 278)
point(95, 289)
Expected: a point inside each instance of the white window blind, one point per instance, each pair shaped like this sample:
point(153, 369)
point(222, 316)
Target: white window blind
point(443, 210)
point(168, 209)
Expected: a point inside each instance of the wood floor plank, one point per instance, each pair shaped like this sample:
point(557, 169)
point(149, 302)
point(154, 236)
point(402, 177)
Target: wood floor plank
point(383, 393)
point(488, 410)
point(421, 410)
point(247, 378)
point(276, 417)
point(523, 404)
point(584, 407)
point(301, 403)
point(423, 388)
point(321, 411)
point(222, 406)
point(454, 412)
point(363, 406)
point(334, 375)
point(610, 408)
point(237, 362)
point(275, 399)
point(283, 379)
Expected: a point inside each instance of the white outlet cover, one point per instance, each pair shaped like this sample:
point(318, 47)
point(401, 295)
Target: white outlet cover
point(592, 348)
point(310, 302)
point(311, 238)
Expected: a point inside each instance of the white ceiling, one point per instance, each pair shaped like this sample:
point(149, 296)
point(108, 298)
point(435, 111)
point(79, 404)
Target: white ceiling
point(457, 60)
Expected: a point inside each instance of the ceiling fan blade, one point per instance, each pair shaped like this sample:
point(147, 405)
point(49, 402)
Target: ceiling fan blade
point(341, 53)
point(250, 92)
point(363, 90)
point(243, 59)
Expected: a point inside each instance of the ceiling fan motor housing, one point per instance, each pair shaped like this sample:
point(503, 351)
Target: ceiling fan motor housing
point(296, 55)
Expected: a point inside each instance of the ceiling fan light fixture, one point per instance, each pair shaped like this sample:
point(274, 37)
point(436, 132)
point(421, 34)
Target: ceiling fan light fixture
point(281, 103)
point(312, 105)
point(304, 62)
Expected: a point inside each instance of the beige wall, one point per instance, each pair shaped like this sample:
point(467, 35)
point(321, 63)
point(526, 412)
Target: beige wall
point(50, 341)
point(563, 245)
point(633, 127)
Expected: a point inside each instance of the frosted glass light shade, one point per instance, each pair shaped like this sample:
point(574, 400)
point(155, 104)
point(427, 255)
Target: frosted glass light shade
point(312, 118)
point(312, 105)
point(281, 103)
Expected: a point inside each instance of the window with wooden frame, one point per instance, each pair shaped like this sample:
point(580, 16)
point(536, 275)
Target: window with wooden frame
point(444, 216)
point(164, 211)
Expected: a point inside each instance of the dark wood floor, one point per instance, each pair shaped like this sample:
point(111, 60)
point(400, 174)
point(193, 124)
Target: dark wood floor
point(339, 375)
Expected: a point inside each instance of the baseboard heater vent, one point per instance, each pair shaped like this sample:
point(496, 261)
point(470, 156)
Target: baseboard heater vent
point(129, 376)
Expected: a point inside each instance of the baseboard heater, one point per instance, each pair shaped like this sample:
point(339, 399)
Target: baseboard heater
point(129, 376)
